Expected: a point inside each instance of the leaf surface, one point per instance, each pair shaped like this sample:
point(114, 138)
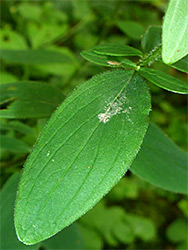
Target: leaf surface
point(161, 162)
point(181, 65)
point(164, 81)
point(33, 57)
point(63, 240)
point(28, 99)
point(88, 144)
point(151, 38)
point(116, 50)
point(132, 29)
point(175, 32)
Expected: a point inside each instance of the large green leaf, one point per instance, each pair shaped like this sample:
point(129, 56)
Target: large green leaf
point(161, 162)
point(116, 50)
point(28, 99)
point(175, 32)
point(69, 238)
point(33, 57)
point(164, 81)
point(88, 144)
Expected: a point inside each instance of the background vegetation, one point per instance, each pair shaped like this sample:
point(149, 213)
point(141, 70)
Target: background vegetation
point(135, 214)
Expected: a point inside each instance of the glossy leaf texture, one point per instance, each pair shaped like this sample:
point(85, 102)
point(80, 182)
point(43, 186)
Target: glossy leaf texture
point(116, 50)
point(86, 147)
point(28, 99)
point(161, 162)
point(33, 57)
point(164, 81)
point(175, 32)
point(151, 39)
point(62, 240)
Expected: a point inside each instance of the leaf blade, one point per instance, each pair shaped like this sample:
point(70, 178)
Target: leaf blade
point(87, 152)
point(161, 162)
point(175, 32)
point(116, 50)
point(164, 81)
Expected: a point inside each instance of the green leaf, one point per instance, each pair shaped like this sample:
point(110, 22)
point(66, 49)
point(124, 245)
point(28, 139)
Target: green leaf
point(69, 238)
point(98, 59)
point(116, 50)
point(161, 162)
point(7, 231)
point(132, 29)
point(13, 144)
point(151, 38)
point(181, 65)
point(108, 61)
point(12, 40)
point(29, 99)
point(177, 230)
point(175, 32)
point(33, 57)
point(62, 240)
point(88, 144)
point(164, 81)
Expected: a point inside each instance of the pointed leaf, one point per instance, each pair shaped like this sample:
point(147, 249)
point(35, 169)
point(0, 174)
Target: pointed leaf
point(151, 38)
point(181, 65)
point(161, 162)
point(108, 61)
point(29, 99)
point(132, 29)
point(96, 58)
point(175, 32)
point(88, 144)
point(164, 81)
point(116, 50)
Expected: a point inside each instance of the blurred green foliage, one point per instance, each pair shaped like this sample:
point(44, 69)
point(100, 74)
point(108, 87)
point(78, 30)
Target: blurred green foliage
point(135, 214)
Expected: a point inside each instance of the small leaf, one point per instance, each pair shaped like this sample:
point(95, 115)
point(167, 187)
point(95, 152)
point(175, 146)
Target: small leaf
point(13, 144)
point(164, 81)
point(33, 57)
point(181, 65)
point(108, 61)
point(131, 29)
point(175, 32)
point(87, 146)
point(151, 38)
point(96, 58)
point(29, 99)
point(161, 162)
point(116, 50)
